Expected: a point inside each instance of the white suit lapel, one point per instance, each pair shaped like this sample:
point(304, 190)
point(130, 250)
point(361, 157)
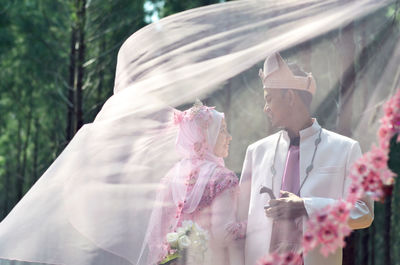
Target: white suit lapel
point(308, 137)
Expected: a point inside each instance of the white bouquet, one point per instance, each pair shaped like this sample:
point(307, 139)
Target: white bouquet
point(189, 241)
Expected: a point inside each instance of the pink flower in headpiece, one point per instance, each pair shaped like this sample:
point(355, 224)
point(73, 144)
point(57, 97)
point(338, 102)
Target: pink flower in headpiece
point(178, 116)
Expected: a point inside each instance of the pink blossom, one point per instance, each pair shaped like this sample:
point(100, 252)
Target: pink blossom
point(341, 210)
point(372, 182)
point(387, 176)
point(383, 132)
point(355, 193)
point(370, 173)
point(292, 259)
point(388, 109)
point(361, 168)
point(268, 260)
point(289, 258)
point(178, 117)
point(179, 209)
point(192, 178)
point(328, 228)
point(390, 123)
point(322, 217)
point(378, 157)
point(309, 241)
point(327, 233)
point(396, 122)
point(331, 236)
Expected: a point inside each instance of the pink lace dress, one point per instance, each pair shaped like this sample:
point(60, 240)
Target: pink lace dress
point(215, 213)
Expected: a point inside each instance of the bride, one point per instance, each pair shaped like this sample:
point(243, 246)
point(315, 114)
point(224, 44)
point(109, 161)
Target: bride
point(199, 192)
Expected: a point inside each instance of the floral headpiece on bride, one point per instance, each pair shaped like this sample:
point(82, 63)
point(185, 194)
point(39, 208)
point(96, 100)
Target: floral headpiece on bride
point(198, 112)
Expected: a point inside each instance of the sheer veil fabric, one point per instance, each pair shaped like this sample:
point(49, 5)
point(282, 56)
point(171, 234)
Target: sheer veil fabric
point(94, 203)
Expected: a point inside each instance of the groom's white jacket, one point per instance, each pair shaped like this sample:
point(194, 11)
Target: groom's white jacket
point(327, 182)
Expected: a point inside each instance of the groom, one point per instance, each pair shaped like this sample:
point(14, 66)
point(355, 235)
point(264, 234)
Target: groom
point(293, 173)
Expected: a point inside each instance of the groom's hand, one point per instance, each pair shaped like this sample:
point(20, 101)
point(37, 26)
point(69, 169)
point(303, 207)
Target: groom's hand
point(289, 206)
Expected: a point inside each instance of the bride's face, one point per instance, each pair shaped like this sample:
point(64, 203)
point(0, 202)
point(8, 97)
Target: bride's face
point(221, 148)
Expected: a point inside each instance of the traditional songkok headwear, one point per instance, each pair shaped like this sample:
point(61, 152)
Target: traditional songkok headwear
point(277, 75)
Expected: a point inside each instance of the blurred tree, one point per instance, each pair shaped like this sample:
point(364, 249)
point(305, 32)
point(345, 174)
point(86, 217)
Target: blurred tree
point(53, 56)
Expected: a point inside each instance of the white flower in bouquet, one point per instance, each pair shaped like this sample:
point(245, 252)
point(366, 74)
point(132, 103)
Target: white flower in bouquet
point(184, 242)
point(172, 239)
point(187, 225)
point(189, 240)
point(200, 232)
point(181, 231)
point(198, 229)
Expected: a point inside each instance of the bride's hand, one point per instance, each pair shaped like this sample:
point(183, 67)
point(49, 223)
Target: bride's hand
point(236, 230)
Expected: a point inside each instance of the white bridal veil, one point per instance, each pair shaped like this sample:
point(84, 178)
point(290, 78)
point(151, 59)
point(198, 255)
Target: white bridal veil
point(93, 203)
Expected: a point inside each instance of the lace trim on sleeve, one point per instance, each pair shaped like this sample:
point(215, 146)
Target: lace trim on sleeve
point(222, 180)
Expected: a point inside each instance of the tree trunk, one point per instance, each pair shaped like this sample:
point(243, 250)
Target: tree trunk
point(364, 246)
point(100, 65)
point(346, 89)
point(365, 84)
point(7, 187)
point(25, 150)
point(71, 85)
point(346, 47)
point(81, 13)
point(35, 153)
point(19, 178)
point(387, 231)
point(372, 235)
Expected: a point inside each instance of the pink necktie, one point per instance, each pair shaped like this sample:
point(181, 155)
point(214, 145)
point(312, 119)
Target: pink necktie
point(291, 175)
point(287, 233)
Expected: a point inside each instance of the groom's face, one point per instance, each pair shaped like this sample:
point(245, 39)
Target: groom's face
point(276, 106)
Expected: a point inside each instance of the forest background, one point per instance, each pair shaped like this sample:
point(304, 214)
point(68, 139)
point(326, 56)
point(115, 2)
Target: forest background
point(57, 67)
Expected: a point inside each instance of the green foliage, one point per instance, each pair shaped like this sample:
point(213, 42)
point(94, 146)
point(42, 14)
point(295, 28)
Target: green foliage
point(170, 258)
point(35, 41)
point(169, 7)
